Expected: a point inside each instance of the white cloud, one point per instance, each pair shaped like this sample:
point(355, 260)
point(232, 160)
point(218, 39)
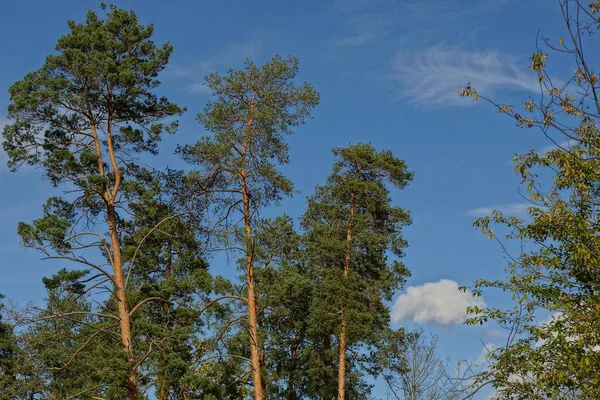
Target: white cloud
point(432, 76)
point(366, 29)
point(461, 20)
point(516, 209)
point(453, 9)
point(440, 302)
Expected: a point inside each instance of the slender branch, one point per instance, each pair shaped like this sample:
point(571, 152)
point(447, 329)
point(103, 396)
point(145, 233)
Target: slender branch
point(62, 315)
point(75, 259)
point(82, 347)
point(141, 303)
point(150, 348)
point(73, 396)
point(208, 305)
point(137, 249)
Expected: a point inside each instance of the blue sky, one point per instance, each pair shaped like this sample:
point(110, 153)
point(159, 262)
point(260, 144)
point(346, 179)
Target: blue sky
point(387, 71)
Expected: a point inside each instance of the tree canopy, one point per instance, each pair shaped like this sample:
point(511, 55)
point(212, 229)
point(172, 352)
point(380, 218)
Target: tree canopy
point(552, 351)
point(199, 282)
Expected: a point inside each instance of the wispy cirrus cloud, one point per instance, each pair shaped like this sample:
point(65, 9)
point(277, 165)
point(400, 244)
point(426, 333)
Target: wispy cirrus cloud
point(366, 28)
point(198, 87)
point(432, 76)
point(444, 10)
point(423, 71)
point(516, 209)
point(192, 74)
point(565, 145)
point(433, 18)
point(450, 10)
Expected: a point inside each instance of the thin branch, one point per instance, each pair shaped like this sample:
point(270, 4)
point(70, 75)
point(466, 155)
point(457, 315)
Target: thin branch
point(141, 303)
point(81, 348)
point(137, 249)
point(209, 304)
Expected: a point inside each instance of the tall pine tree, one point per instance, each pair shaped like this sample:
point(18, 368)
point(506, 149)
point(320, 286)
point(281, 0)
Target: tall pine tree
point(352, 229)
point(83, 117)
point(253, 111)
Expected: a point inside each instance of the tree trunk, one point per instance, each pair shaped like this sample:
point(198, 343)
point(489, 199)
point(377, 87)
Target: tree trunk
point(252, 303)
point(342, 359)
point(294, 357)
point(255, 357)
point(163, 392)
point(123, 309)
point(117, 263)
point(163, 387)
point(344, 317)
point(163, 378)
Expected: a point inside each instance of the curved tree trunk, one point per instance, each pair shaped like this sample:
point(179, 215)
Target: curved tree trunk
point(117, 263)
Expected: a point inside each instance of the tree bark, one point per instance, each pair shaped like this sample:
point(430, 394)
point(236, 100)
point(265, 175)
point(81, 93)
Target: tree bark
point(163, 387)
point(344, 317)
point(123, 309)
point(252, 306)
point(259, 392)
point(163, 379)
point(116, 261)
point(294, 356)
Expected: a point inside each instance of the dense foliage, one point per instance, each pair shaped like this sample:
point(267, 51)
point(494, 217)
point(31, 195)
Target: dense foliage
point(146, 304)
point(553, 275)
point(144, 315)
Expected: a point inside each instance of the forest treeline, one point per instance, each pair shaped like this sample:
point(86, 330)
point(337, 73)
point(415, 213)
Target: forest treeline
point(301, 310)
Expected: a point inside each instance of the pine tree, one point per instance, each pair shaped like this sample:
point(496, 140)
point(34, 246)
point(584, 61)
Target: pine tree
point(254, 109)
point(351, 229)
point(83, 118)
